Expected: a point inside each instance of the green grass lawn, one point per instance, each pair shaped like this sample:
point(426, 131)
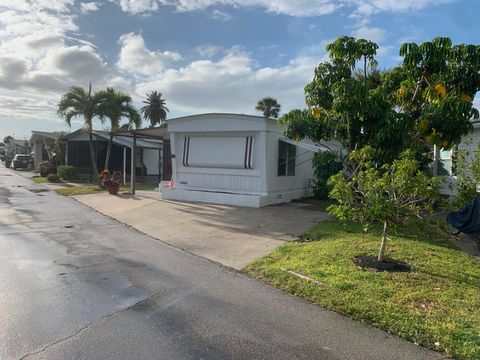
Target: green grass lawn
point(84, 189)
point(40, 179)
point(79, 190)
point(438, 302)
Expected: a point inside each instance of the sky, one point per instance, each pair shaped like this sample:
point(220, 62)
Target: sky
point(202, 55)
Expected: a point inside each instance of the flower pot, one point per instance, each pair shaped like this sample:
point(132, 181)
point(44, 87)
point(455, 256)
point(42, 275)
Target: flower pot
point(113, 189)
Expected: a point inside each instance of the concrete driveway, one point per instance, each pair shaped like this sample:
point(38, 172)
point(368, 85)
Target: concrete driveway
point(231, 236)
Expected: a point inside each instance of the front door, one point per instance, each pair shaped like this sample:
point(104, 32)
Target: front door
point(167, 161)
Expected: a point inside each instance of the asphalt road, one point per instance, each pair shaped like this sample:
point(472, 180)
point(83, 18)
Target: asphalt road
point(75, 284)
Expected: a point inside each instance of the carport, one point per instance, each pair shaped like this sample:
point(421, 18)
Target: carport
point(157, 136)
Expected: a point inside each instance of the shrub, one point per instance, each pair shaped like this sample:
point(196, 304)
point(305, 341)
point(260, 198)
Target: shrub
point(66, 172)
point(467, 171)
point(53, 178)
point(325, 165)
point(390, 194)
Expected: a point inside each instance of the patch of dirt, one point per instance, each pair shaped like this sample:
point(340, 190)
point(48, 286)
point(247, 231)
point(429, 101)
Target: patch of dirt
point(388, 265)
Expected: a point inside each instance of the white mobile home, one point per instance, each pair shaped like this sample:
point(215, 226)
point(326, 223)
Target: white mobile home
point(444, 160)
point(237, 160)
point(40, 140)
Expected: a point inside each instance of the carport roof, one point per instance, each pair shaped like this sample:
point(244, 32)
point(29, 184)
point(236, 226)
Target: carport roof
point(124, 139)
point(160, 132)
point(127, 140)
point(44, 134)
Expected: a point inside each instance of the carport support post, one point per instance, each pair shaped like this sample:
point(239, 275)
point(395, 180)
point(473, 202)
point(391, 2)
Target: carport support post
point(124, 165)
point(134, 158)
point(160, 165)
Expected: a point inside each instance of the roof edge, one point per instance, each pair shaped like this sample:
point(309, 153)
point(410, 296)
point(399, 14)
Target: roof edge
point(231, 115)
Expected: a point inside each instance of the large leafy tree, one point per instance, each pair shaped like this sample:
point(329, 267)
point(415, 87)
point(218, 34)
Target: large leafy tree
point(115, 105)
point(378, 116)
point(387, 195)
point(269, 107)
point(78, 102)
point(427, 100)
point(155, 109)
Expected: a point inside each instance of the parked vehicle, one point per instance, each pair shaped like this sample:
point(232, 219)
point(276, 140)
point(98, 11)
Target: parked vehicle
point(21, 161)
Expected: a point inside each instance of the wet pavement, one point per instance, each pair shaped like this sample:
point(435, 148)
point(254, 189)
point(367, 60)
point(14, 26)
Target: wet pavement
point(75, 284)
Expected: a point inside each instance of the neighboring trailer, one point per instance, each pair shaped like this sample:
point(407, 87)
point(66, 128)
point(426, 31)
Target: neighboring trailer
point(444, 160)
point(237, 160)
point(147, 157)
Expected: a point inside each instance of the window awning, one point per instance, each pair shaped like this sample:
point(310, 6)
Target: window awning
point(316, 148)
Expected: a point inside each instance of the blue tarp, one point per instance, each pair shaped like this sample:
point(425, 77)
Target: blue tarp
point(466, 220)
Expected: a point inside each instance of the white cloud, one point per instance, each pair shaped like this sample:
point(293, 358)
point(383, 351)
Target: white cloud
point(38, 5)
point(87, 7)
point(285, 7)
point(41, 56)
point(220, 15)
point(231, 84)
point(136, 59)
point(138, 6)
point(370, 33)
point(302, 8)
point(208, 50)
point(368, 7)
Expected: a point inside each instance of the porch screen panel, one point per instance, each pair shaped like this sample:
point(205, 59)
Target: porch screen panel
point(230, 152)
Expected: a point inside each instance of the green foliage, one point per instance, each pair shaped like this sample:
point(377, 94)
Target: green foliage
point(57, 151)
point(78, 102)
point(7, 139)
point(325, 165)
point(155, 109)
point(269, 107)
point(428, 100)
point(390, 193)
point(467, 171)
point(115, 105)
point(60, 147)
point(66, 172)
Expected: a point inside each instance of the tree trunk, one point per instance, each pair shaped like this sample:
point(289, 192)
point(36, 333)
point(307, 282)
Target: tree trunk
point(383, 246)
point(109, 150)
point(93, 158)
point(365, 69)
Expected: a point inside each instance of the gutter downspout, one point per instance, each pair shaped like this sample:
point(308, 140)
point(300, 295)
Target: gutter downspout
point(133, 165)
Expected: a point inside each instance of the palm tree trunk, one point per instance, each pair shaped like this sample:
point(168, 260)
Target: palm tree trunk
point(93, 158)
point(109, 150)
point(383, 246)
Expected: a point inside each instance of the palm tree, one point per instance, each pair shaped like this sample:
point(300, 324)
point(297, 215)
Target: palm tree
point(116, 106)
point(269, 106)
point(78, 102)
point(155, 110)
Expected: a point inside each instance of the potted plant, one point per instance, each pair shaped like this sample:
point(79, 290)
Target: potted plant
point(111, 182)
